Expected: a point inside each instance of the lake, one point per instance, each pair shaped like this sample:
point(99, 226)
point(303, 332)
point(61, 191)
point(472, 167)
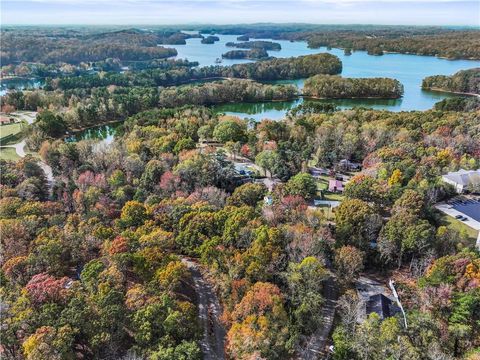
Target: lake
point(408, 69)
point(19, 84)
point(105, 133)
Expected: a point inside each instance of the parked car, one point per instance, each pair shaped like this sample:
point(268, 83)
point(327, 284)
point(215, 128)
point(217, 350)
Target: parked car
point(458, 217)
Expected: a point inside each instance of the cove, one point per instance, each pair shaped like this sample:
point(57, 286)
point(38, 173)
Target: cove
point(408, 69)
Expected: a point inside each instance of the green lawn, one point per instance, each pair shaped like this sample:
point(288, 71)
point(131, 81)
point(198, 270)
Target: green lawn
point(13, 131)
point(453, 223)
point(8, 154)
point(322, 182)
point(322, 185)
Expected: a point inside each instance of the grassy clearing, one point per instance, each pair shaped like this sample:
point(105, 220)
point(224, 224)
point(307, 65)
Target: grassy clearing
point(322, 182)
point(453, 223)
point(10, 129)
point(8, 154)
point(12, 133)
point(322, 186)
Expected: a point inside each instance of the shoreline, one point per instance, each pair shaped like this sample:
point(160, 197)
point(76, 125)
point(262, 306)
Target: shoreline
point(77, 130)
point(350, 98)
point(450, 92)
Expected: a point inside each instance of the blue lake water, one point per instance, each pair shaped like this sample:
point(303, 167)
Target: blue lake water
point(19, 84)
point(408, 69)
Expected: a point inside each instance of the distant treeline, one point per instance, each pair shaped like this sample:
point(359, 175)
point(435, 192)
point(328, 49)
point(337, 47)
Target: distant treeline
point(336, 87)
point(376, 39)
point(175, 38)
point(253, 54)
point(71, 47)
point(265, 45)
point(272, 69)
point(464, 81)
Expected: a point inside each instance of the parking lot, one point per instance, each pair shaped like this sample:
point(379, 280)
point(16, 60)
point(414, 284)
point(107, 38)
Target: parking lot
point(469, 207)
point(463, 208)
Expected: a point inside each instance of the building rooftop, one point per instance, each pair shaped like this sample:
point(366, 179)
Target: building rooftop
point(464, 177)
point(381, 305)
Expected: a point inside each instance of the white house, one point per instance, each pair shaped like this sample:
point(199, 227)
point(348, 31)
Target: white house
point(463, 179)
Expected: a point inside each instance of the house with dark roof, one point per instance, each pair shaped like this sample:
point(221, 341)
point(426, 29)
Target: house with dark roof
point(381, 305)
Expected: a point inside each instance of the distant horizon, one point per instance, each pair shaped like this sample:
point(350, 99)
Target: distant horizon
point(446, 13)
point(197, 24)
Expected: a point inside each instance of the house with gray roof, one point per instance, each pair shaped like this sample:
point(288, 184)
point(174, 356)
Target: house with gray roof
point(463, 180)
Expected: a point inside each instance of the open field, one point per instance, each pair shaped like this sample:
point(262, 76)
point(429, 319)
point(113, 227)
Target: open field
point(9, 154)
point(453, 223)
point(11, 133)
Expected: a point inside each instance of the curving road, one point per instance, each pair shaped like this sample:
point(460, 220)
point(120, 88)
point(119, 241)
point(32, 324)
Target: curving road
point(209, 310)
point(20, 150)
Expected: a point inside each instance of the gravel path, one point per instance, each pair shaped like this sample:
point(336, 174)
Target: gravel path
point(209, 310)
point(316, 344)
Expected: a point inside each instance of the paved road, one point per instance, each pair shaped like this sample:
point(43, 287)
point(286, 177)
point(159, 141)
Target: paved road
point(20, 150)
point(209, 310)
point(315, 348)
point(28, 116)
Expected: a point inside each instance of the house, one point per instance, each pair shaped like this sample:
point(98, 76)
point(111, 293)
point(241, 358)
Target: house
point(317, 172)
point(270, 184)
point(335, 185)
point(6, 120)
point(348, 165)
point(463, 180)
point(381, 305)
point(374, 297)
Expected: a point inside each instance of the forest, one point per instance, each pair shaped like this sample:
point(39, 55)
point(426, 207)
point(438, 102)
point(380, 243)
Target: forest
point(170, 72)
point(337, 87)
point(233, 90)
point(443, 42)
point(193, 234)
point(101, 105)
point(265, 45)
point(254, 54)
point(92, 265)
point(74, 45)
point(464, 81)
point(210, 39)
point(71, 47)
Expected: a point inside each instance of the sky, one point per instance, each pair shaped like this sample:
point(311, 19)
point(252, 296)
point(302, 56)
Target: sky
point(167, 12)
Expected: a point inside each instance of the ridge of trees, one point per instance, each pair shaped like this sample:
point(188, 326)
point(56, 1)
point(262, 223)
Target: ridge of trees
point(463, 81)
point(337, 87)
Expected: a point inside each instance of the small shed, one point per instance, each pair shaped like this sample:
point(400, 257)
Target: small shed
point(335, 185)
